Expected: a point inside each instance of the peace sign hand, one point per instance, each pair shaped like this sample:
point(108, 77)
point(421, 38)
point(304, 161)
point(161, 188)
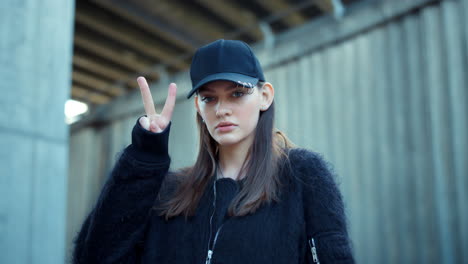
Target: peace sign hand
point(152, 121)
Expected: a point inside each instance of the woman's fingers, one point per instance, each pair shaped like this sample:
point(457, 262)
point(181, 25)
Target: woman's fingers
point(145, 122)
point(150, 125)
point(154, 127)
point(146, 96)
point(170, 102)
point(154, 122)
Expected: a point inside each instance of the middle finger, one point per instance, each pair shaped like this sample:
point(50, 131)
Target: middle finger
point(146, 96)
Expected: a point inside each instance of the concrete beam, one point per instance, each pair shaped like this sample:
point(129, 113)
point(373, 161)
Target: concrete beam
point(278, 6)
point(189, 21)
point(108, 71)
point(334, 7)
point(153, 24)
point(96, 83)
point(235, 15)
point(359, 17)
point(89, 96)
point(114, 55)
point(127, 36)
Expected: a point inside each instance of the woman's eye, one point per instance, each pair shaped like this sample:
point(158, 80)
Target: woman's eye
point(238, 94)
point(207, 99)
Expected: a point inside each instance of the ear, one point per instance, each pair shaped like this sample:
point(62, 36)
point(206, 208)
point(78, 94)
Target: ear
point(197, 107)
point(267, 94)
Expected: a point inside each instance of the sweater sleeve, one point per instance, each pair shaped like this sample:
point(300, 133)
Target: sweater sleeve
point(114, 230)
point(323, 211)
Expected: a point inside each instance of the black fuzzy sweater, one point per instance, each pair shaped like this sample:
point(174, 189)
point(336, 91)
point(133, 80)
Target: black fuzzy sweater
point(122, 228)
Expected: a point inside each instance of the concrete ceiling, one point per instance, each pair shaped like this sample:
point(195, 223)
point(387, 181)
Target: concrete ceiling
point(117, 40)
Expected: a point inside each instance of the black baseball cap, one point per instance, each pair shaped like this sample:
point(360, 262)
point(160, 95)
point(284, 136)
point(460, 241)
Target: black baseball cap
point(229, 60)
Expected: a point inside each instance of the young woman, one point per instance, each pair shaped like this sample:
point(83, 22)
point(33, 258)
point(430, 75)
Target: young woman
point(250, 197)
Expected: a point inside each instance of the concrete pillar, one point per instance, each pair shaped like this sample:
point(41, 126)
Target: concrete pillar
point(35, 78)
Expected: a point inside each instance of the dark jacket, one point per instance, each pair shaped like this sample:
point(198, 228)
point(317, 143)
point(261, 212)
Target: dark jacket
point(122, 228)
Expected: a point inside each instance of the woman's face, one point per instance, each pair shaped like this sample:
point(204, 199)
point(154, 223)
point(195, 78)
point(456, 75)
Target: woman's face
point(230, 112)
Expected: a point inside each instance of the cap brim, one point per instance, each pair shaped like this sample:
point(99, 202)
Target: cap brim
point(244, 80)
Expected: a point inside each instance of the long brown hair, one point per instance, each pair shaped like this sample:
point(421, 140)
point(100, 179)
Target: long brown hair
point(261, 168)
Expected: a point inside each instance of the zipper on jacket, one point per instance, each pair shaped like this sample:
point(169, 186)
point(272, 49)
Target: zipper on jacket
point(313, 250)
point(208, 258)
point(210, 251)
point(212, 214)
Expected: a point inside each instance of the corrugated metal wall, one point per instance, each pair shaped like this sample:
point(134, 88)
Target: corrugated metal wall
point(386, 103)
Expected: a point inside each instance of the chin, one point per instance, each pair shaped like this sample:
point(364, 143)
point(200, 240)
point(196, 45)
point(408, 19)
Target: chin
point(227, 140)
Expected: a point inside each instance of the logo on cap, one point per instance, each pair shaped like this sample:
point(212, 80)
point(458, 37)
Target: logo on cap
point(246, 84)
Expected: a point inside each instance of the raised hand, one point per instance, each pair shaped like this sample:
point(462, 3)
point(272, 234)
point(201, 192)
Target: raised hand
point(153, 121)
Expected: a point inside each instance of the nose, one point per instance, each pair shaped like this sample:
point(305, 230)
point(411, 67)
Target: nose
point(223, 109)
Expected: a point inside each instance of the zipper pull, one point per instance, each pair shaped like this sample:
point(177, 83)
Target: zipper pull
point(313, 250)
point(208, 258)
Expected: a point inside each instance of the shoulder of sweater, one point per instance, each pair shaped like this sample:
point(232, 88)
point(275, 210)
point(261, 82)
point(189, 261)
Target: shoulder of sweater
point(302, 154)
point(310, 166)
point(301, 158)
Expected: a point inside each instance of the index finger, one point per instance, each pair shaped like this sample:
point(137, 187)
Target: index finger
point(146, 96)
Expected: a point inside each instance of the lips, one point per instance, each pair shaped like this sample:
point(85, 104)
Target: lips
point(225, 124)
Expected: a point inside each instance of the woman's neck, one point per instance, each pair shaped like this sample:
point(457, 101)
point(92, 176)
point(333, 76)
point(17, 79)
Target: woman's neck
point(231, 159)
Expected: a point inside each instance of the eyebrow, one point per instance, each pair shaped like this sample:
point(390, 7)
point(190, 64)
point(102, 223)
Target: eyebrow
point(208, 89)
